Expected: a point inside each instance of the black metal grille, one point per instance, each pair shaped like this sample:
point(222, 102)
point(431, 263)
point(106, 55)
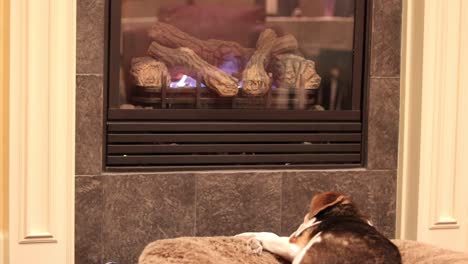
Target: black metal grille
point(149, 145)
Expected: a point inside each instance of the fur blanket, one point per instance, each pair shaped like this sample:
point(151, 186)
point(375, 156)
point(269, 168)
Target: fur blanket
point(232, 250)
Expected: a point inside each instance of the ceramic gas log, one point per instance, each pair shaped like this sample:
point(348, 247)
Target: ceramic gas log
point(218, 64)
point(292, 71)
point(148, 72)
point(214, 51)
point(214, 78)
point(256, 80)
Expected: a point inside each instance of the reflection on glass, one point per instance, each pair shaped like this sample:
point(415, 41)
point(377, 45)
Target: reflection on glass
point(244, 54)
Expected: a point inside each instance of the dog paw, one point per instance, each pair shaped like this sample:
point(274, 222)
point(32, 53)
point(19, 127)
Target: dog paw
point(255, 246)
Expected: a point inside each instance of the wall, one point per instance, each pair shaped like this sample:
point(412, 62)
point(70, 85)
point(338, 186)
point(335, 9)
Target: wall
point(118, 214)
point(4, 73)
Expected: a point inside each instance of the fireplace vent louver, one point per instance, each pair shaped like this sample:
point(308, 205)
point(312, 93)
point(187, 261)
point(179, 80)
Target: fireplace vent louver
point(147, 145)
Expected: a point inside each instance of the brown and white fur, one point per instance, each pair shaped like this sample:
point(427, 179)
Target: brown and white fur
point(334, 231)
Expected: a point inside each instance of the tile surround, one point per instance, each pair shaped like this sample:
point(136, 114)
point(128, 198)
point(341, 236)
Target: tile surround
point(365, 188)
point(90, 36)
point(135, 209)
point(89, 124)
point(139, 209)
point(88, 220)
point(117, 214)
point(229, 203)
point(384, 102)
point(386, 38)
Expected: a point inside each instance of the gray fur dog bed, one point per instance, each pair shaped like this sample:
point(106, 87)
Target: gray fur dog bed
point(233, 250)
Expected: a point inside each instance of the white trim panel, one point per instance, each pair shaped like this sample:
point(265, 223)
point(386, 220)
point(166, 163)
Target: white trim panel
point(34, 171)
point(442, 217)
point(442, 61)
point(42, 116)
point(433, 155)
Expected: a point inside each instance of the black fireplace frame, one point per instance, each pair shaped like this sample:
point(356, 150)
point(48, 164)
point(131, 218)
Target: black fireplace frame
point(264, 124)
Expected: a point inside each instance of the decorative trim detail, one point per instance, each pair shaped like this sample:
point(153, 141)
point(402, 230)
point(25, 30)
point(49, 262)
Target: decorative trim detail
point(42, 130)
point(439, 109)
point(34, 125)
point(433, 167)
point(38, 238)
point(442, 61)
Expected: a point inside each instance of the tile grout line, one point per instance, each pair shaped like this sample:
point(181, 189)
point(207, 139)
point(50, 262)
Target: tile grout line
point(281, 203)
point(101, 235)
point(195, 206)
point(89, 74)
point(384, 77)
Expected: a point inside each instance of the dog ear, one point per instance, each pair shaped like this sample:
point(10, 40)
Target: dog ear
point(325, 200)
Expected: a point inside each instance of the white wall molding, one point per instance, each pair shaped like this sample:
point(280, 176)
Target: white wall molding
point(410, 116)
point(42, 116)
point(439, 110)
point(433, 154)
point(4, 99)
point(32, 106)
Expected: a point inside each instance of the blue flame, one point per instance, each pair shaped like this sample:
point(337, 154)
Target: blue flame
point(185, 81)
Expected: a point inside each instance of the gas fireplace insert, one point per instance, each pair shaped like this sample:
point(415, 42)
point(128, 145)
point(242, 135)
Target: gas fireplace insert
point(222, 84)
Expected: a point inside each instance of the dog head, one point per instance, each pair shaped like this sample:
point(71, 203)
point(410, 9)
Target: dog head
point(334, 228)
point(321, 206)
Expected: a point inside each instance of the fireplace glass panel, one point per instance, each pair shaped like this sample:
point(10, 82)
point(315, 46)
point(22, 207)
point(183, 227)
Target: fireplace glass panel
point(242, 54)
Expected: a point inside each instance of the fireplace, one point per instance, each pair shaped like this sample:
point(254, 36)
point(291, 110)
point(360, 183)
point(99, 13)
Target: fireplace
point(235, 84)
point(190, 201)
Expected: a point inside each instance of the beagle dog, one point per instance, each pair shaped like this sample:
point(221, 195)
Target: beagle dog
point(333, 231)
